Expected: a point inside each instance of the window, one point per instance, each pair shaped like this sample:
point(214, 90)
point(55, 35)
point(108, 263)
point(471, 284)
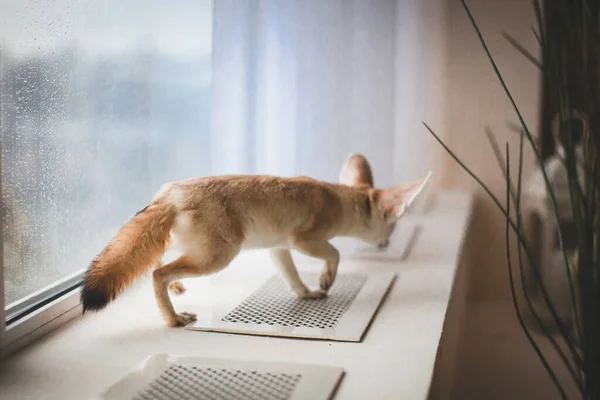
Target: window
point(101, 103)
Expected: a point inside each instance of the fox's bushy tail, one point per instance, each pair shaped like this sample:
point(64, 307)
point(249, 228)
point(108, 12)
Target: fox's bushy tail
point(137, 247)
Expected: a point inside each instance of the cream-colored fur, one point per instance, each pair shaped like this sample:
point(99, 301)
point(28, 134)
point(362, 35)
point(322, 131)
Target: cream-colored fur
point(212, 219)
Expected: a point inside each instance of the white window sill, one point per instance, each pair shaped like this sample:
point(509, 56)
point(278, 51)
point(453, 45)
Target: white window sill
point(395, 359)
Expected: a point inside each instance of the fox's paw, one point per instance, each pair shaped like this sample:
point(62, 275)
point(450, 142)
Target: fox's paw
point(177, 288)
point(312, 294)
point(326, 279)
point(182, 319)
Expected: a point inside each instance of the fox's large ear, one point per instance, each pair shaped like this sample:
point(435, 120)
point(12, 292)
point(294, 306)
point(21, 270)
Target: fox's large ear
point(394, 201)
point(356, 171)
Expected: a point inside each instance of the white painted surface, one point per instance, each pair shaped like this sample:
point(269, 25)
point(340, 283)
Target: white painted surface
point(317, 382)
point(394, 361)
point(350, 328)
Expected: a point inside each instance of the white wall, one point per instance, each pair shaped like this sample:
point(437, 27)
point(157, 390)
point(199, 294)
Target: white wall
point(468, 97)
point(475, 99)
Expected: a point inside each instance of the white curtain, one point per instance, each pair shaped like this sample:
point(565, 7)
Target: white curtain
point(298, 85)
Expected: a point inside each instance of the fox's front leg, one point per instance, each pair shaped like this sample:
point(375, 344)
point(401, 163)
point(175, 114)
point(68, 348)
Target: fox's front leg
point(284, 262)
point(326, 252)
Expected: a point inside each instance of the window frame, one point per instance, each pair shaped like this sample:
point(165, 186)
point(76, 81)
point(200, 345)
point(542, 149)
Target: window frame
point(39, 322)
point(15, 312)
point(38, 313)
point(2, 297)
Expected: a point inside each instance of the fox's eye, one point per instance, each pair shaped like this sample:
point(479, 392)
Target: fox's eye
point(386, 214)
point(368, 208)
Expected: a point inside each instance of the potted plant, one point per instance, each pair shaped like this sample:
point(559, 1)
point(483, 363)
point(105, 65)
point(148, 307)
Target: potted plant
point(566, 186)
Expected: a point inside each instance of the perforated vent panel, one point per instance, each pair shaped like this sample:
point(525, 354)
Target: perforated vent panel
point(273, 310)
point(274, 304)
point(191, 382)
point(174, 377)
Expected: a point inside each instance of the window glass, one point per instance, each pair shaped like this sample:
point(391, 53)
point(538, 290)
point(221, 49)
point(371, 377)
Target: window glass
point(101, 102)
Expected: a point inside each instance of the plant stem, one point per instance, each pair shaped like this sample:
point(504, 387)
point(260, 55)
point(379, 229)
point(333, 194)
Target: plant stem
point(513, 292)
point(559, 323)
point(514, 227)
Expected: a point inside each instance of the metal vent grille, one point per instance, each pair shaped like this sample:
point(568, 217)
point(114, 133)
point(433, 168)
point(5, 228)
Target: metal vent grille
point(273, 304)
point(191, 382)
point(272, 310)
point(169, 376)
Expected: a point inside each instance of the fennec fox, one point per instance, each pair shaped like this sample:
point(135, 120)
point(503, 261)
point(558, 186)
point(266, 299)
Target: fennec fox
point(212, 219)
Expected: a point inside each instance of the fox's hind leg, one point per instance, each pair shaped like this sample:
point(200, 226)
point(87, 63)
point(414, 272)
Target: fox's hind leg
point(187, 266)
point(176, 287)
